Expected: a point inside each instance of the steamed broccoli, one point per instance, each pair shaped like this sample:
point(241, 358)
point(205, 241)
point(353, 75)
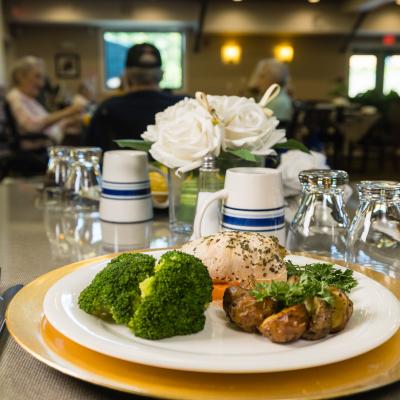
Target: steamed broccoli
point(173, 300)
point(114, 292)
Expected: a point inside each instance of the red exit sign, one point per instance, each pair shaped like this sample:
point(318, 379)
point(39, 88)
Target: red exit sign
point(389, 40)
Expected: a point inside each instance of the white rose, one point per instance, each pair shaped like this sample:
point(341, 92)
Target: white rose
point(246, 125)
point(183, 134)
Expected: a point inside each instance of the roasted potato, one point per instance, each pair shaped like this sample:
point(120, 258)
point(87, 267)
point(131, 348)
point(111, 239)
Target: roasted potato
point(287, 325)
point(244, 310)
point(342, 309)
point(320, 313)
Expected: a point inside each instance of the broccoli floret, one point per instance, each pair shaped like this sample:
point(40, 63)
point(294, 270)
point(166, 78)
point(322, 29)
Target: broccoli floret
point(174, 299)
point(114, 292)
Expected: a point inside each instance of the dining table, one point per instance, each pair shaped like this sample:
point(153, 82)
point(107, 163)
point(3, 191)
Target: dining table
point(36, 239)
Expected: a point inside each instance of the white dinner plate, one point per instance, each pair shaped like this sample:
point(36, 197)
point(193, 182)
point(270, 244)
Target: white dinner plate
point(220, 347)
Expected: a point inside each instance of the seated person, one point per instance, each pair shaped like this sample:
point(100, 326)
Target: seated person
point(127, 116)
point(385, 131)
point(86, 94)
point(28, 77)
point(269, 71)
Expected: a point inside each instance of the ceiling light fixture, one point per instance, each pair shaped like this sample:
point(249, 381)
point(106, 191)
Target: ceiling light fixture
point(231, 53)
point(397, 2)
point(284, 52)
point(313, 1)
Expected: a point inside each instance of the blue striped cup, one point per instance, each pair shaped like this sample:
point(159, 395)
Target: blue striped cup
point(125, 190)
point(252, 202)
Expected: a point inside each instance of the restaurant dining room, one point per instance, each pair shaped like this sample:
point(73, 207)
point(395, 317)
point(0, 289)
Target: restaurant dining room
point(199, 199)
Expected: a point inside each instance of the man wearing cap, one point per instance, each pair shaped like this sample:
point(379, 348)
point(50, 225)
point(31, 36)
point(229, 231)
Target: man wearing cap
point(127, 116)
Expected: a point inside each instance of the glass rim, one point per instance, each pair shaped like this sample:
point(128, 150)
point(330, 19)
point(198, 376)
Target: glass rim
point(380, 188)
point(324, 178)
point(85, 152)
point(59, 150)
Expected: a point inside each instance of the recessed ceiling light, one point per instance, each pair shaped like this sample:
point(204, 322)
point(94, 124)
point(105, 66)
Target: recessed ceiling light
point(237, 1)
point(313, 1)
point(397, 2)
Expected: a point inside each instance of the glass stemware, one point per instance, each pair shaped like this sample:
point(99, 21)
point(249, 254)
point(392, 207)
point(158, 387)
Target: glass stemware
point(374, 238)
point(321, 224)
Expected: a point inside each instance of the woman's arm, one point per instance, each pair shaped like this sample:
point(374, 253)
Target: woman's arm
point(57, 116)
point(35, 123)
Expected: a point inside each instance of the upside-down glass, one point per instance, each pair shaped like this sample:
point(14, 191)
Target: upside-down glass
point(84, 179)
point(53, 192)
point(58, 166)
point(374, 238)
point(320, 224)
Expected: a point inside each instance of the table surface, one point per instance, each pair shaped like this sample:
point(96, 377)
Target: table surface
point(36, 239)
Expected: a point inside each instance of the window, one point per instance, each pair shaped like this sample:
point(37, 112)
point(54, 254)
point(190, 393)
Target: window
point(170, 44)
point(391, 81)
point(379, 72)
point(362, 75)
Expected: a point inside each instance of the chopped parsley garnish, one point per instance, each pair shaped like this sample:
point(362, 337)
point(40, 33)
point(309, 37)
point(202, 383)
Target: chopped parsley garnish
point(312, 280)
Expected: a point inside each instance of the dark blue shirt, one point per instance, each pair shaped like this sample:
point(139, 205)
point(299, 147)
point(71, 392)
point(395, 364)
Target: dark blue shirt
point(126, 117)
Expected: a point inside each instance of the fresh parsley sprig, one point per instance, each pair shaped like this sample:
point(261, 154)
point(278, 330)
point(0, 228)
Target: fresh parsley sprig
point(313, 280)
point(325, 273)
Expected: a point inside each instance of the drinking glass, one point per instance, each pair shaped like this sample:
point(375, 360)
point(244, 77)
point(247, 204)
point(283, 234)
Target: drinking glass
point(83, 181)
point(58, 166)
point(374, 239)
point(321, 224)
point(182, 195)
point(52, 194)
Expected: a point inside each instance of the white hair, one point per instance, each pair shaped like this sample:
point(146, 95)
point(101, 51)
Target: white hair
point(143, 76)
point(22, 66)
point(278, 71)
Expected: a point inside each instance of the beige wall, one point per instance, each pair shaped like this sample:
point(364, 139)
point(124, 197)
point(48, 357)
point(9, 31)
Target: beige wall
point(46, 27)
point(317, 59)
point(47, 41)
point(316, 64)
point(2, 47)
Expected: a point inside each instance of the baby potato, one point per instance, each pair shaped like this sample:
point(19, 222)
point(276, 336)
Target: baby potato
point(244, 310)
point(320, 318)
point(342, 309)
point(287, 325)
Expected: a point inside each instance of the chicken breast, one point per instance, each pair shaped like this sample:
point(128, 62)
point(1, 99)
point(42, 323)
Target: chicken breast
point(240, 256)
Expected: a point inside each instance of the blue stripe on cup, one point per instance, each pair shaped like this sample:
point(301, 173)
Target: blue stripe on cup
point(242, 229)
point(126, 191)
point(255, 210)
point(253, 222)
point(261, 220)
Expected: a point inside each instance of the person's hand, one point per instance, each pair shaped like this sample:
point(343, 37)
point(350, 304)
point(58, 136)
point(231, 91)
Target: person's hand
point(80, 103)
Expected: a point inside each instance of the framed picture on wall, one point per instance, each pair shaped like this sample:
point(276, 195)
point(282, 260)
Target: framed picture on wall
point(67, 65)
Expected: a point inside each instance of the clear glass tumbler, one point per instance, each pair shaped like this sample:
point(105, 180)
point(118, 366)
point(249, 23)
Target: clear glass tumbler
point(374, 239)
point(321, 223)
point(58, 166)
point(83, 184)
point(182, 196)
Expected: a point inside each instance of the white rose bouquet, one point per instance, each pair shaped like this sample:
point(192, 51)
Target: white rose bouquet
point(186, 132)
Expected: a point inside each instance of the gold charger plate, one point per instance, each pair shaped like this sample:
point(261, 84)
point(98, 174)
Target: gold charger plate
point(29, 327)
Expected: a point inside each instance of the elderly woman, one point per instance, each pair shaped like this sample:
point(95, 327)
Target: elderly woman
point(31, 117)
point(267, 72)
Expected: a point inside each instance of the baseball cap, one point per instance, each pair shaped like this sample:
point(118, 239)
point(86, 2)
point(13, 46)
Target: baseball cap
point(143, 55)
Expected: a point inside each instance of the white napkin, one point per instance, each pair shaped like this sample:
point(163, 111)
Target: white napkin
point(295, 161)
